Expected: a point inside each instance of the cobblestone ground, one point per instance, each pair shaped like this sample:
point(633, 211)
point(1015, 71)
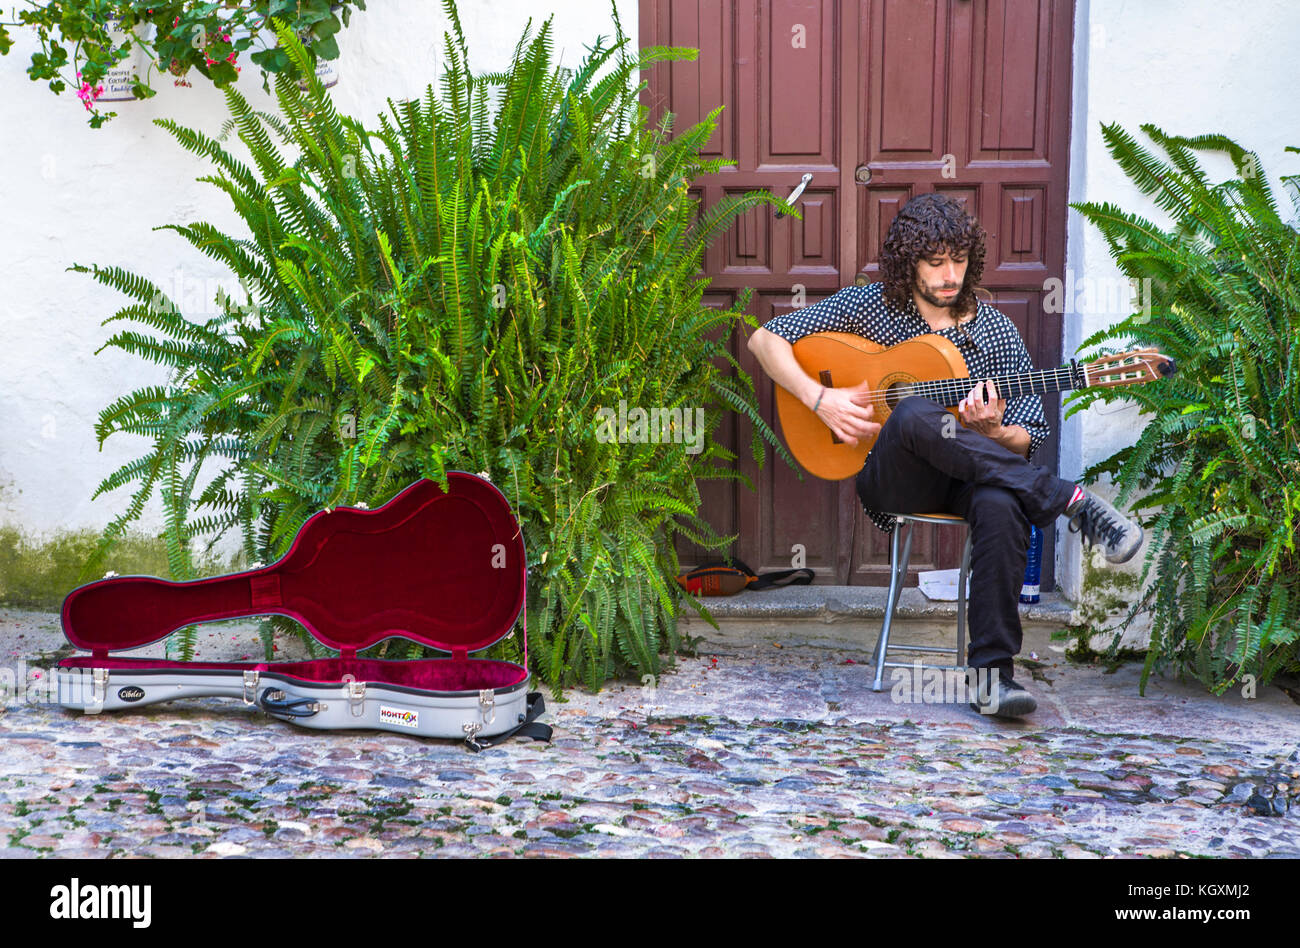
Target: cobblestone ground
point(210, 778)
point(199, 781)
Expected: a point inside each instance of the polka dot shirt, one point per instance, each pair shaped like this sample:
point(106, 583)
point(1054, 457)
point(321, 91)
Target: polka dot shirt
point(990, 343)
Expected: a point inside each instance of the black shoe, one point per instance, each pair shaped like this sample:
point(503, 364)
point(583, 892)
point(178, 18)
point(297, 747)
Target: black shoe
point(1099, 522)
point(1004, 699)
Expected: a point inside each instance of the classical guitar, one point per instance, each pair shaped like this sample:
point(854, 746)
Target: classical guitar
point(929, 366)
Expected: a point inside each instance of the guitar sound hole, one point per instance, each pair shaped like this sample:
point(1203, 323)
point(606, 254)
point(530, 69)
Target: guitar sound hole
point(896, 392)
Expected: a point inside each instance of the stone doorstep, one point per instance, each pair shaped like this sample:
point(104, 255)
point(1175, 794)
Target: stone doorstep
point(850, 617)
point(839, 617)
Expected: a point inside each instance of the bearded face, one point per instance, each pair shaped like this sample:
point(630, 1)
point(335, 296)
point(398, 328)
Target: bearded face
point(940, 277)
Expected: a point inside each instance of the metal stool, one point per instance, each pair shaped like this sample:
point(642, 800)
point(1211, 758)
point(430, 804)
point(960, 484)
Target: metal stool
point(898, 574)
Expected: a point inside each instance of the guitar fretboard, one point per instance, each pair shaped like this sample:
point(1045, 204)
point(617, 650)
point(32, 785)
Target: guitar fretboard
point(951, 391)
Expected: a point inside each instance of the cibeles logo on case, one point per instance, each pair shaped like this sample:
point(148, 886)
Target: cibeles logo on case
point(399, 717)
point(130, 693)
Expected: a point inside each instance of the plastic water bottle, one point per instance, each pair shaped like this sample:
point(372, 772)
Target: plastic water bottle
point(1033, 566)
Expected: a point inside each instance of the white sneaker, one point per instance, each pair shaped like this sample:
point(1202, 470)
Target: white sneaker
point(1099, 522)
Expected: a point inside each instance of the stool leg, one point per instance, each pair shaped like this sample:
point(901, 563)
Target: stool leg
point(893, 570)
point(962, 579)
point(898, 573)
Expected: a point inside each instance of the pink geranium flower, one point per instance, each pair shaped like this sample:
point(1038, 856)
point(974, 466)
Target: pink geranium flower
point(88, 94)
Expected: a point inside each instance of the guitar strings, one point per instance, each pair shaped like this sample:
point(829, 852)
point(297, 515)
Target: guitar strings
point(956, 388)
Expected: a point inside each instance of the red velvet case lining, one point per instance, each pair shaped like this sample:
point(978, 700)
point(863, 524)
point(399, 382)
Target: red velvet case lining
point(435, 674)
point(444, 569)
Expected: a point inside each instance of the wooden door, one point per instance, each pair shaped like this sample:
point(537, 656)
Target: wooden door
point(878, 100)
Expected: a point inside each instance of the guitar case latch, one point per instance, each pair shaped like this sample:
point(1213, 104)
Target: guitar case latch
point(98, 687)
point(356, 691)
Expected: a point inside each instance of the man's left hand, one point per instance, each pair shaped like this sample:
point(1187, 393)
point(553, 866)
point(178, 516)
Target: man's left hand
point(976, 414)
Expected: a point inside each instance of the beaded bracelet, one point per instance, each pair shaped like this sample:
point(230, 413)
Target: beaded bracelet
point(819, 399)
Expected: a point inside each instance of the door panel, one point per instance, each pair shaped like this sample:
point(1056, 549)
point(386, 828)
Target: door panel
point(879, 100)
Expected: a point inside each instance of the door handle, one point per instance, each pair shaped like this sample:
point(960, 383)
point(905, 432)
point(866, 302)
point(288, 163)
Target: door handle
point(794, 195)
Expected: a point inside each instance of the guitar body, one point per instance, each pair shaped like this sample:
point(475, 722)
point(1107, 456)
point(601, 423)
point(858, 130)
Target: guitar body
point(843, 360)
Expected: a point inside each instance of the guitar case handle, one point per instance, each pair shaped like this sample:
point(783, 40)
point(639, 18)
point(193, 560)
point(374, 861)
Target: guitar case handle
point(299, 708)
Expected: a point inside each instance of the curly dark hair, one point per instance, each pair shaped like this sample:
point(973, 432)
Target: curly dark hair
point(928, 224)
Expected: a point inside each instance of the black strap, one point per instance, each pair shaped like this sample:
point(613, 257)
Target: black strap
point(528, 727)
point(797, 577)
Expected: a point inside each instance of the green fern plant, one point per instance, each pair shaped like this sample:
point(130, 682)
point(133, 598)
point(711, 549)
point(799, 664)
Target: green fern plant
point(464, 286)
point(1221, 457)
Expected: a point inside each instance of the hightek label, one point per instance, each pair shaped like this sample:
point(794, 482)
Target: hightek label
point(399, 717)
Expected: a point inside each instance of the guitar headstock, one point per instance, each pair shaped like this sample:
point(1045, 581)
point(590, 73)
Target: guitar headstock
point(1128, 368)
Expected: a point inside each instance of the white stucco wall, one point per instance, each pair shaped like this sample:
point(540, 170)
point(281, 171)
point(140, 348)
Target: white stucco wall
point(1189, 67)
point(72, 194)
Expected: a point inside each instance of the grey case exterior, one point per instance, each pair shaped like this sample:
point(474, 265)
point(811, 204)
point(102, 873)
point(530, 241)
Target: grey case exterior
point(320, 704)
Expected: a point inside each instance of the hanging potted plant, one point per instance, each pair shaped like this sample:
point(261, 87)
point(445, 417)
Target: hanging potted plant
point(119, 81)
point(113, 46)
point(320, 39)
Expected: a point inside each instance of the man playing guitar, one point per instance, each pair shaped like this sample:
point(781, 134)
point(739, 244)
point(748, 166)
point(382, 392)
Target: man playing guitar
point(931, 262)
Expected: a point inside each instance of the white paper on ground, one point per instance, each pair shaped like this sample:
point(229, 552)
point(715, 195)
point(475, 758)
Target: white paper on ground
point(941, 584)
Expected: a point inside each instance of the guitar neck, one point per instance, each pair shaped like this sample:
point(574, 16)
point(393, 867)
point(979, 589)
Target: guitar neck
point(950, 392)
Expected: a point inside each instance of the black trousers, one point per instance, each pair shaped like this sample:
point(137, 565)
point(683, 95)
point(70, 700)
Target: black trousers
point(925, 461)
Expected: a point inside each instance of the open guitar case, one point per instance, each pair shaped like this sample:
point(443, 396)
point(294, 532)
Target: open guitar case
point(444, 569)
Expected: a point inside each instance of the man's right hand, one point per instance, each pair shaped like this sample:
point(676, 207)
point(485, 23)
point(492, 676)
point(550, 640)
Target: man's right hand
point(848, 412)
